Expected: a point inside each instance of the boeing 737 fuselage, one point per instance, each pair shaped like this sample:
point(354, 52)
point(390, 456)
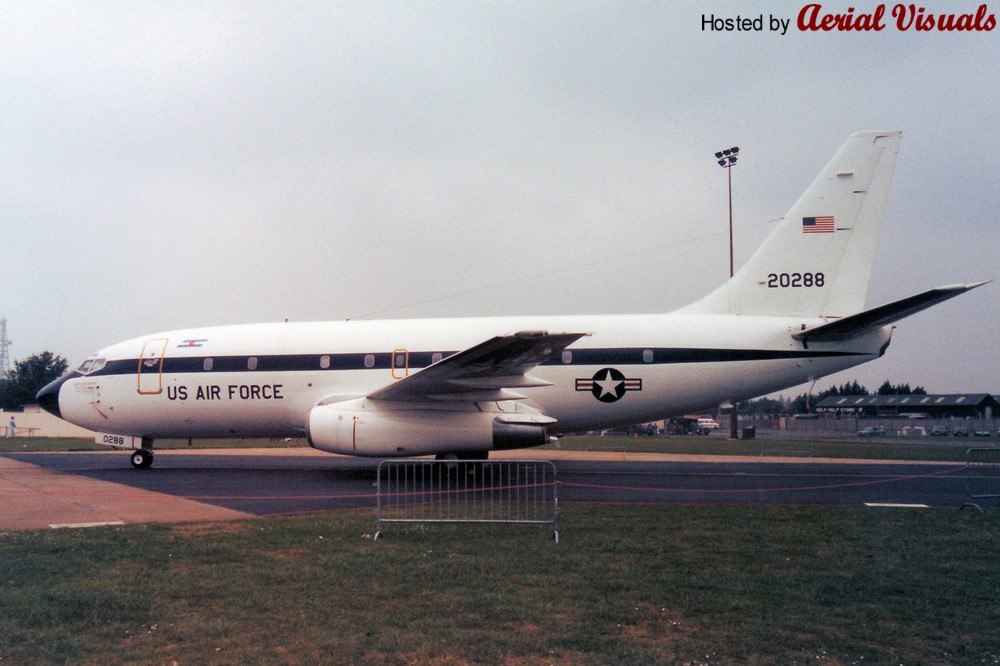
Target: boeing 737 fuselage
point(463, 387)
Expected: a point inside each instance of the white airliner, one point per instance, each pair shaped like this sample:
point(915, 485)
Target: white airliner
point(464, 387)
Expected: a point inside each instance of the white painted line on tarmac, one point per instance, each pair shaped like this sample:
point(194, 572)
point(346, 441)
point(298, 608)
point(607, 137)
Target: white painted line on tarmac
point(890, 505)
point(59, 526)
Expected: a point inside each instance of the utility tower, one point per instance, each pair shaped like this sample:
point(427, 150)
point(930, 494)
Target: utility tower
point(4, 345)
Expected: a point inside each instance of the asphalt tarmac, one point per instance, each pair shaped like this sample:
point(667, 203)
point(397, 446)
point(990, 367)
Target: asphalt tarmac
point(45, 490)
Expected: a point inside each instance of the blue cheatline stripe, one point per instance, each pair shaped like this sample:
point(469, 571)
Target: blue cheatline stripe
point(673, 355)
point(419, 360)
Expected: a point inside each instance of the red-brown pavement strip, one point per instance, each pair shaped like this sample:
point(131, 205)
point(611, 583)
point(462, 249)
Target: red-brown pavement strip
point(32, 497)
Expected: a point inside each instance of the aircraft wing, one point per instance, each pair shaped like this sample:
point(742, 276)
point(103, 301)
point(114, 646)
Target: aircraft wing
point(850, 326)
point(484, 372)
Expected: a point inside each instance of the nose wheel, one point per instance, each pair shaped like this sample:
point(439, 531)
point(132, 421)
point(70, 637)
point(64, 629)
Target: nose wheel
point(142, 458)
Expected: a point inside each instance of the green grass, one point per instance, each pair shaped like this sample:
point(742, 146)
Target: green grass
point(626, 584)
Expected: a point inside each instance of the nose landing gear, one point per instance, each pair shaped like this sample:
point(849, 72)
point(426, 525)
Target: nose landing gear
point(142, 458)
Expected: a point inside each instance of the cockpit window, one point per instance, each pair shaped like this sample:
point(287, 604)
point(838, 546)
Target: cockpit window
point(91, 365)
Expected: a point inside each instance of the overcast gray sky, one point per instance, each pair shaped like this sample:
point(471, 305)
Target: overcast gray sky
point(171, 164)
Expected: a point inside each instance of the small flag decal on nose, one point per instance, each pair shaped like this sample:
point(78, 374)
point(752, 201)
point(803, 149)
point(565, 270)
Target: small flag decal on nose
point(193, 343)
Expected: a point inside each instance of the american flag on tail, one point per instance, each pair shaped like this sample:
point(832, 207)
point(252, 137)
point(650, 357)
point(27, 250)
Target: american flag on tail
point(821, 224)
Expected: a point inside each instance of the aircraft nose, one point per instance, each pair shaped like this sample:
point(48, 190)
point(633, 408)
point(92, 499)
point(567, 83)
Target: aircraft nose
point(48, 397)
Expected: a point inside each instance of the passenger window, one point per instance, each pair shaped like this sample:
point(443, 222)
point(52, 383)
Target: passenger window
point(252, 363)
point(324, 362)
point(436, 357)
point(567, 356)
point(369, 360)
point(647, 355)
point(207, 365)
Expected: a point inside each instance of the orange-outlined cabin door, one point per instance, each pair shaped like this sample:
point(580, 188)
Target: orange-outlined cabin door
point(151, 366)
point(400, 363)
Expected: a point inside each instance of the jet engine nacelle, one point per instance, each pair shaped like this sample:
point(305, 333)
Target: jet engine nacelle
point(364, 428)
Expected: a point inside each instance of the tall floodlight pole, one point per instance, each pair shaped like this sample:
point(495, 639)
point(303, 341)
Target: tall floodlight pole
point(4, 345)
point(727, 158)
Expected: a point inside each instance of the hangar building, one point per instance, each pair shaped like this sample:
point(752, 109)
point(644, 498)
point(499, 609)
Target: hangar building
point(941, 406)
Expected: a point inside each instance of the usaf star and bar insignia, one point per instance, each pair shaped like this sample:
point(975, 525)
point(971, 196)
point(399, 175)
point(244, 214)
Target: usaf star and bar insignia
point(609, 385)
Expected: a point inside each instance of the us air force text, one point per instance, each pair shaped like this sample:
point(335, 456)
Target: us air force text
point(230, 392)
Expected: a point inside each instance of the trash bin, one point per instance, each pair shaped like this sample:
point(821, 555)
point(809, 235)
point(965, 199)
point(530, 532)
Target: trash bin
point(750, 433)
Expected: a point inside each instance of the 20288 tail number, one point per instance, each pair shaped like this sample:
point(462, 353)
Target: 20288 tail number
point(795, 280)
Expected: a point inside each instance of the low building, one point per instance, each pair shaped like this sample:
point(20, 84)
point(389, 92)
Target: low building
point(940, 406)
point(34, 421)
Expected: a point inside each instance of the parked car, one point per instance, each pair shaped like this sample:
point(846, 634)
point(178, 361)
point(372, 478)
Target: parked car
point(981, 432)
point(960, 432)
point(939, 431)
point(872, 431)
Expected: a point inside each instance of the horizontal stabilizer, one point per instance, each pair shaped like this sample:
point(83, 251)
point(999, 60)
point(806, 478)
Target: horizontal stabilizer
point(849, 327)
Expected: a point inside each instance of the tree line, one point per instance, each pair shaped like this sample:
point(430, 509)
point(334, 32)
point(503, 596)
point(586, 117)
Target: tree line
point(20, 385)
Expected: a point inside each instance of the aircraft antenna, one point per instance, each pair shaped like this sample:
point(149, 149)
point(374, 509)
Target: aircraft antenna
point(5, 344)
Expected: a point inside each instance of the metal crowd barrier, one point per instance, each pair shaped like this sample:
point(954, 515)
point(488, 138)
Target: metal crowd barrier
point(982, 477)
point(468, 491)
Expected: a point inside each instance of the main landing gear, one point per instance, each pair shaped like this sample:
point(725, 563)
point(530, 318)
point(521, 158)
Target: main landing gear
point(142, 458)
point(470, 467)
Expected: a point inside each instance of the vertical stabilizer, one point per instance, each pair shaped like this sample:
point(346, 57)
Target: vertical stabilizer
point(818, 260)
